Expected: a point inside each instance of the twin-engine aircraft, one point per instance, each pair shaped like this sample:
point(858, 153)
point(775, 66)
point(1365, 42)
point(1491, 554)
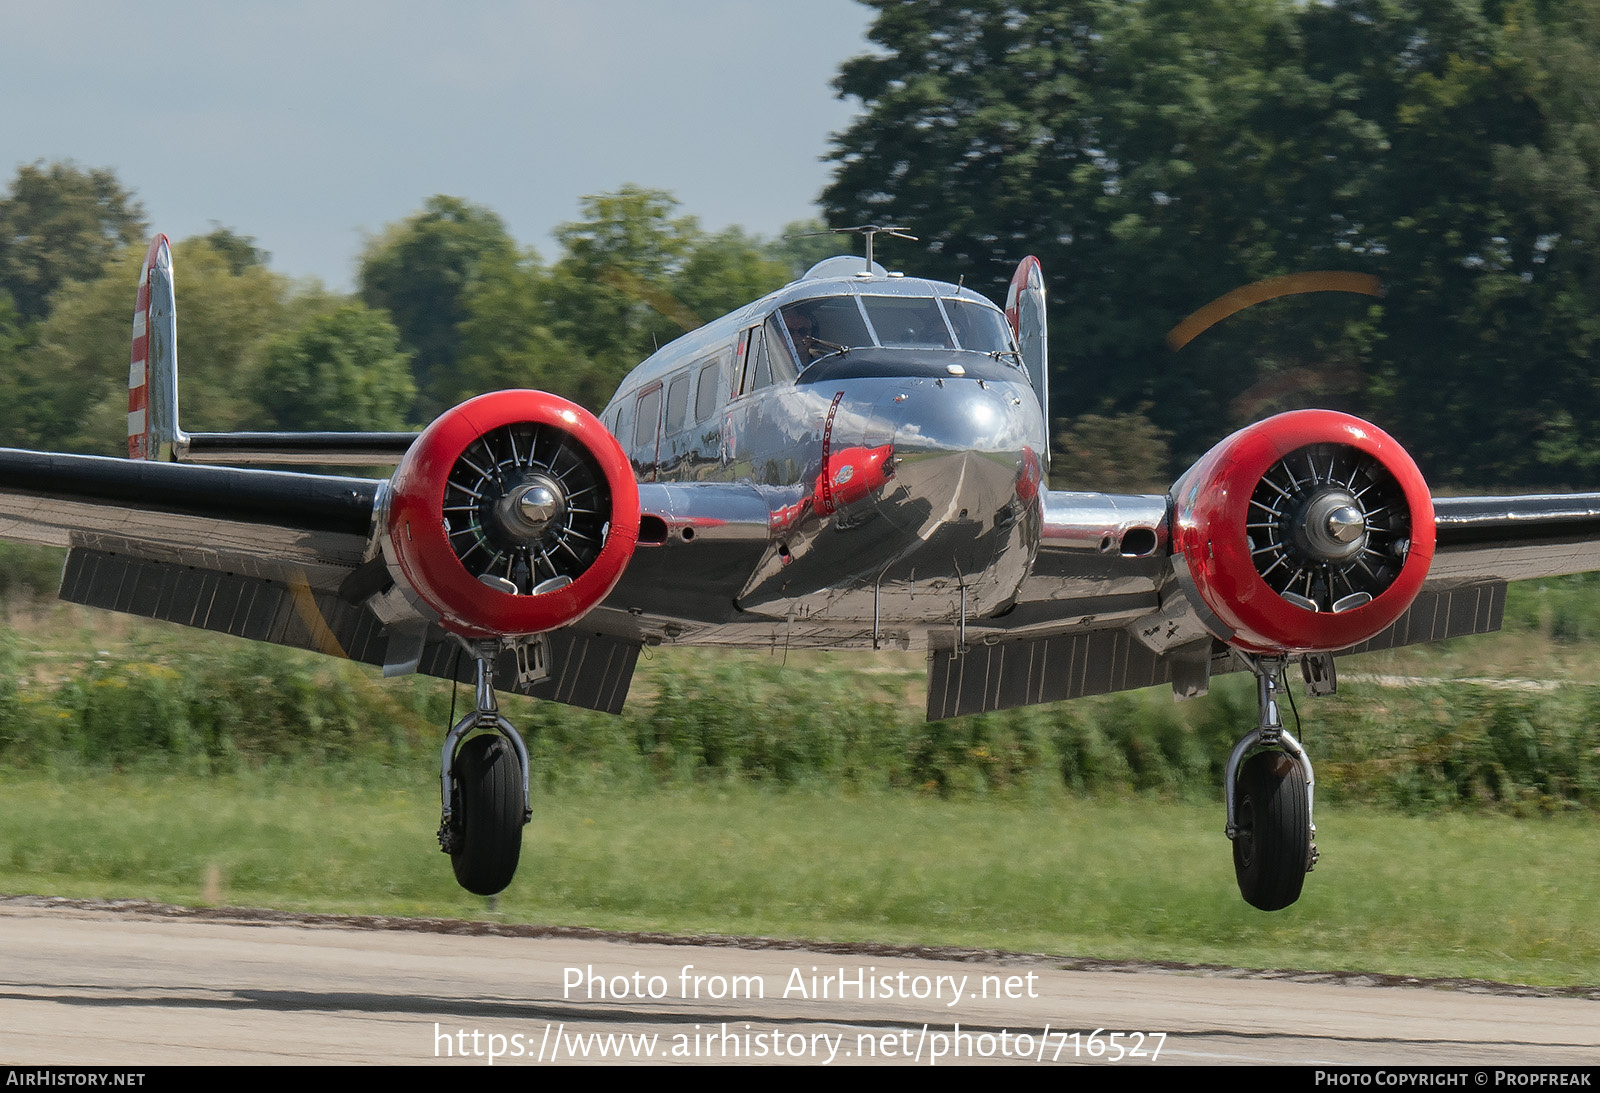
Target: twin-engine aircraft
point(856, 460)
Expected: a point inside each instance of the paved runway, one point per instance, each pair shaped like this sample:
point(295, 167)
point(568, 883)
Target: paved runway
point(133, 985)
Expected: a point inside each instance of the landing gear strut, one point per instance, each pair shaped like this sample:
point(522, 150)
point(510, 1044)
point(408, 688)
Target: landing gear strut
point(484, 786)
point(1269, 801)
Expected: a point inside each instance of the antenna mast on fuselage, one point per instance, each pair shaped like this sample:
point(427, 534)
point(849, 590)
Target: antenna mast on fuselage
point(868, 231)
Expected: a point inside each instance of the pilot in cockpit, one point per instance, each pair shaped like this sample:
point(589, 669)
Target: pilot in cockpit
point(802, 331)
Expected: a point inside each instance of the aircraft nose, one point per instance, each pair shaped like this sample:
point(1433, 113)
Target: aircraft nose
point(997, 422)
point(966, 477)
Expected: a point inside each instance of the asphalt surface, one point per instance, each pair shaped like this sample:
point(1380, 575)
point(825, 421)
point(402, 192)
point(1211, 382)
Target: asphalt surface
point(130, 984)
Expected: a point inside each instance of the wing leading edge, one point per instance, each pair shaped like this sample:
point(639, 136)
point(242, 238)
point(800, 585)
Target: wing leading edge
point(221, 516)
point(1515, 538)
point(275, 556)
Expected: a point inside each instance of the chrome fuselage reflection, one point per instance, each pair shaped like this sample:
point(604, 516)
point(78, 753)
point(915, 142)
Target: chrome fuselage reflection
point(900, 483)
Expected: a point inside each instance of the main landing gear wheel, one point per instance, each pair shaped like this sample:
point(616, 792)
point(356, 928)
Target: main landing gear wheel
point(1267, 787)
point(483, 789)
point(1273, 844)
point(487, 814)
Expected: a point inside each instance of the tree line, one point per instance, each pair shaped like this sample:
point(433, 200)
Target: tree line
point(1156, 154)
point(447, 306)
point(1153, 153)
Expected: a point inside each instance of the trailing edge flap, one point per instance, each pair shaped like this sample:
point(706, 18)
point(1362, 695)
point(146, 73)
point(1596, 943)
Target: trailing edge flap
point(587, 669)
point(1008, 674)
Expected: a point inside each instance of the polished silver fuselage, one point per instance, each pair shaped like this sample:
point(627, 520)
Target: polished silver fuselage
point(929, 513)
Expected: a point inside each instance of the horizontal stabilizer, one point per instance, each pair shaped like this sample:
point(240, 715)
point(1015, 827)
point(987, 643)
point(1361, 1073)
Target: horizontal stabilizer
point(153, 430)
point(320, 449)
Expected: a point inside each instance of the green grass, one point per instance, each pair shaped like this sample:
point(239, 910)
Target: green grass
point(1449, 895)
point(804, 796)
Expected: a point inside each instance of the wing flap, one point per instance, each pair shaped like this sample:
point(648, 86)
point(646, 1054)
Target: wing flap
point(1025, 673)
point(590, 670)
point(277, 611)
point(1008, 674)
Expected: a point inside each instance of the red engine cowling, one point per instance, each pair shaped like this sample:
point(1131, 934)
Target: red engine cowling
point(1310, 531)
point(513, 513)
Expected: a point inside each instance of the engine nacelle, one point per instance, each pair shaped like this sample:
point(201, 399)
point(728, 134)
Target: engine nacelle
point(1310, 531)
point(513, 513)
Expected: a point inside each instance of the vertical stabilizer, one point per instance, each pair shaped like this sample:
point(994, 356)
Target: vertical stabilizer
point(153, 372)
point(1025, 312)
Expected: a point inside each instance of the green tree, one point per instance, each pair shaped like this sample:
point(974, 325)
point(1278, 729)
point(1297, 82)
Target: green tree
point(343, 370)
point(61, 223)
point(611, 290)
point(804, 243)
point(15, 338)
point(632, 277)
point(725, 271)
point(421, 272)
point(1155, 155)
point(70, 387)
point(1092, 133)
point(1118, 453)
point(508, 340)
point(240, 251)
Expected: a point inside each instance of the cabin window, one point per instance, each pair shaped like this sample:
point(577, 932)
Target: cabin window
point(645, 419)
point(622, 417)
point(705, 396)
point(677, 402)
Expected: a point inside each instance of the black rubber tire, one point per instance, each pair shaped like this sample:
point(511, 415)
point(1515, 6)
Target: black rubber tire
point(488, 814)
point(1273, 843)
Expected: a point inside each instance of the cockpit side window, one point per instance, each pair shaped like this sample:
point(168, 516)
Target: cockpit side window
point(977, 327)
point(779, 356)
point(819, 328)
point(912, 322)
point(761, 376)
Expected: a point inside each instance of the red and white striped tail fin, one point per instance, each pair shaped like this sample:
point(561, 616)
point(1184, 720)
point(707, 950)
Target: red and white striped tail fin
point(153, 370)
point(153, 431)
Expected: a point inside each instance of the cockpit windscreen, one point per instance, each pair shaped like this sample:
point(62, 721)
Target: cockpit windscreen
point(833, 324)
point(908, 322)
point(828, 325)
point(977, 327)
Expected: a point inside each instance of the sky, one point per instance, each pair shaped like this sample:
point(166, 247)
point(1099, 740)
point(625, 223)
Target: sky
point(312, 125)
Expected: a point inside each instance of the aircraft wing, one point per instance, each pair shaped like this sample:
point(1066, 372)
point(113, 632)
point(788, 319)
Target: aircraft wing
point(1103, 610)
point(1515, 538)
point(271, 523)
point(267, 555)
point(293, 559)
